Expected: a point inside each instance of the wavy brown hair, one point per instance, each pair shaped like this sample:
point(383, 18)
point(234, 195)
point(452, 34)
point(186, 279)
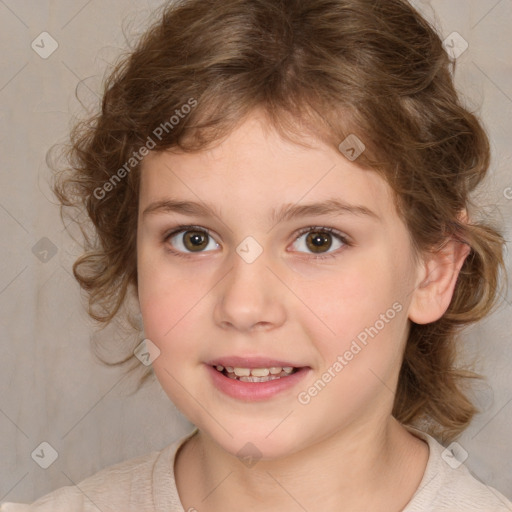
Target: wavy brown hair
point(373, 68)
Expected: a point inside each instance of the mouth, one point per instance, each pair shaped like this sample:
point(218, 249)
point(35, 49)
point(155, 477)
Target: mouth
point(256, 374)
point(255, 379)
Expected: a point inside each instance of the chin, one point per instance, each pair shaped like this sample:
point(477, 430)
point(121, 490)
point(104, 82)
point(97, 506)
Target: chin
point(254, 442)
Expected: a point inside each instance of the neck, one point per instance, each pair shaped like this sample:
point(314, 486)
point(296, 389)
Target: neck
point(362, 469)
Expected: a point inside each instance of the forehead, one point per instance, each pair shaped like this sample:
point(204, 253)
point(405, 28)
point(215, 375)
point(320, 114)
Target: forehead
point(256, 170)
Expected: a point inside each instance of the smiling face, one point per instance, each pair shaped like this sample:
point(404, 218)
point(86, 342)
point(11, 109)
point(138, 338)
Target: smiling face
point(265, 281)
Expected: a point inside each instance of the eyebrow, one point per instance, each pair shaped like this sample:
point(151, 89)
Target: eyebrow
point(285, 213)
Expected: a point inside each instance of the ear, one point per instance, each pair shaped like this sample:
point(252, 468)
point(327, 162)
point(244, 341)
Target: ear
point(437, 277)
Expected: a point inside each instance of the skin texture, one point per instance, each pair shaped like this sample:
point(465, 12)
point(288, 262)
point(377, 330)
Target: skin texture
point(343, 446)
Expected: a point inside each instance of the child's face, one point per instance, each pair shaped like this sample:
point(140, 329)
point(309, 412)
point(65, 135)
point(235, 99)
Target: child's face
point(214, 304)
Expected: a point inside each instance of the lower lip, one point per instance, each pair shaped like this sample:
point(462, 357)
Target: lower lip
point(255, 391)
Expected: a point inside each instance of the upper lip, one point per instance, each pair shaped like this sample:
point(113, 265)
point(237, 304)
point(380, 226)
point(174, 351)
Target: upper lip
point(251, 362)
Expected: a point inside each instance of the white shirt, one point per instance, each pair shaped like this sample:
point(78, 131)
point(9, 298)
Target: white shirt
point(147, 484)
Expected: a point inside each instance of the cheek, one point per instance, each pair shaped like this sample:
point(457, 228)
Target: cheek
point(353, 296)
point(164, 294)
point(168, 315)
point(169, 322)
point(360, 362)
point(168, 303)
point(365, 316)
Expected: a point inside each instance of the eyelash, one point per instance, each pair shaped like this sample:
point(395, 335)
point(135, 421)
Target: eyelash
point(322, 229)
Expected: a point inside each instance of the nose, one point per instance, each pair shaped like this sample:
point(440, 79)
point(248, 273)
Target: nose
point(250, 297)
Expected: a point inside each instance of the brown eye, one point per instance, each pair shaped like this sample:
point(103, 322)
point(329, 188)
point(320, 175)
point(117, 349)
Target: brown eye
point(320, 241)
point(317, 241)
point(195, 240)
point(191, 240)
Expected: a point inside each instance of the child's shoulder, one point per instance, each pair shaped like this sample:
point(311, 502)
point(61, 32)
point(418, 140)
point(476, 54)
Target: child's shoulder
point(447, 485)
point(141, 483)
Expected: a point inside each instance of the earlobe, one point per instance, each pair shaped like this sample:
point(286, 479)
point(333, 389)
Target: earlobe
point(438, 276)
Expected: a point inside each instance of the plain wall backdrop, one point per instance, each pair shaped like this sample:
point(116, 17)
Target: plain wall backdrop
point(52, 388)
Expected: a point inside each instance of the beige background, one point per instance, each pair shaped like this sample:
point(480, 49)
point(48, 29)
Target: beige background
point(52, 389)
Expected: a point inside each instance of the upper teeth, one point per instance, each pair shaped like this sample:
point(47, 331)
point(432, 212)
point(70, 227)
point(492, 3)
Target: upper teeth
point(255, 372)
